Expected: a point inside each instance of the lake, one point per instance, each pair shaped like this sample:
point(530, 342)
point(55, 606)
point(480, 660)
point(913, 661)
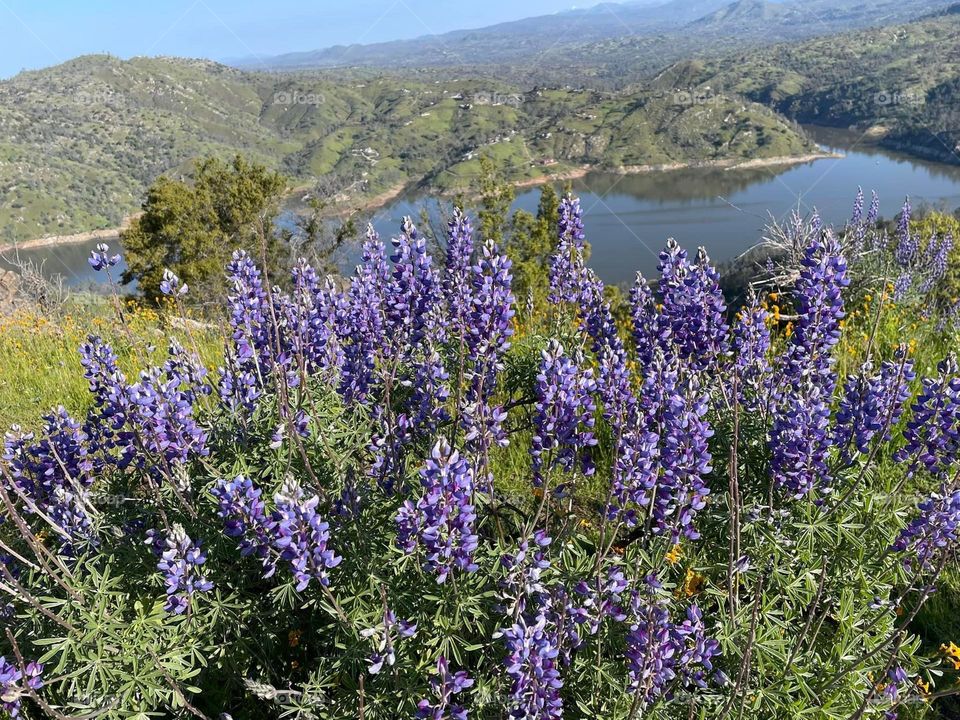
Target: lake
point(628, 218)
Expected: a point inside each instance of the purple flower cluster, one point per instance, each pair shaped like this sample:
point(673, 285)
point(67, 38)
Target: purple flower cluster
point(52, 477)
point(533, 668)
point(646, 327)
point(935, 529)
point(100, 259)
point(16, 683)
point(301, 536)
point(245, 517)
point(384, 636)
point(872, 404)
point(442, 520)
point(681, 490)
point(661, 653)
point(564, 422)
point(180, 563)
point(525, 569)
point(933, 431)
point(155, 414)
point(361, 321)
point(567, 263)
point(907, 242)
point(458, 283)
point(488, 339)
point(293, 532)
point(445, 685)
point(751, 346)
point(693, 319)
point(172, 285)
point(800, 438)
point(414, 294)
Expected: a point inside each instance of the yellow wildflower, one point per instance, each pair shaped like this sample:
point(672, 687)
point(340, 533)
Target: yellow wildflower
point(693, 583)
point(673, 557)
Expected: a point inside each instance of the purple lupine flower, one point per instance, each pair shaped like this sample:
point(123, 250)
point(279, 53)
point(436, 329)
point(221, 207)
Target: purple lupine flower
point(857, 218)
point(488, 338)
point(567, 263)
point(384, 636)
point(819, 303)
point(180, 564)
point(649, 648)
point(100, 259)
point(564, 422)
point(934, 531)
point(189, 370)
point(751, 345)
point(858, 225)
point(238, 388)
point(430, 391)
point(937, 261)
point(442, 521)
point(800, 440)
point(310, 319)
point(54, 475)
point(661, 653)
point(646, 324)
point(694, 310)
point(603, 600)
point(445, 685)
point(172, 285)
point(361, 321)
point(245, 517)
point(896, 677)
point(681, 490)
point(524, 571)
point(613, 380)
point(16, 684)
point(531, 664)
point(874, 210)
point(301, 536)
point(933, 432)
point(108, 419)
point(872, 403)
point(902, 285)
point(635, 474)
point(907, 242)
point(415, 292)
point(162, 413)
point(458, 283)
point(253, 341)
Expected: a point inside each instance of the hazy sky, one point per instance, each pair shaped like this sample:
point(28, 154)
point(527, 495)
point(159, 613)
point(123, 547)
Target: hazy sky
point(37, 33)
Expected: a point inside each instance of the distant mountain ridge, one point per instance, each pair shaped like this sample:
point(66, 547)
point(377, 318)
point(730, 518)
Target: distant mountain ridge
point(650, 29)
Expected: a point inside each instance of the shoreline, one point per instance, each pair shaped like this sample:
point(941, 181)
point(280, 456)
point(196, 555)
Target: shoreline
point(383, 198)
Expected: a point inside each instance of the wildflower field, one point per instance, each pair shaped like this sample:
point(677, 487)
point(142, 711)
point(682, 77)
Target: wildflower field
point(410, 495)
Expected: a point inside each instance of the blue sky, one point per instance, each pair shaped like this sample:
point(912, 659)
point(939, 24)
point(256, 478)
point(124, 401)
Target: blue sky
point(37, 33)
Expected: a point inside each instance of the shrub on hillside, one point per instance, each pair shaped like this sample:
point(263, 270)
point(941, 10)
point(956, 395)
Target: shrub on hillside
point(393, 501)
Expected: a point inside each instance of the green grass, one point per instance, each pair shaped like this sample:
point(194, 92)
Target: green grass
point(41, 367)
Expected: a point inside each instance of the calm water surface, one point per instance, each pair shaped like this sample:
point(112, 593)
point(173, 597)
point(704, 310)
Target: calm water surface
point(629, 218)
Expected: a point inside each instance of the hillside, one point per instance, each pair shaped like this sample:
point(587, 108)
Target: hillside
point(80, 142)
point(897, 84)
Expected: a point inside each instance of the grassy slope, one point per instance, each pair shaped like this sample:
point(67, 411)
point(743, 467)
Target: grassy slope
point(80, 142)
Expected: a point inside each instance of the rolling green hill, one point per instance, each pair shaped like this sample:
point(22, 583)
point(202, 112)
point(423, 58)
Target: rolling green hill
point(80, 142)
point(900, 85)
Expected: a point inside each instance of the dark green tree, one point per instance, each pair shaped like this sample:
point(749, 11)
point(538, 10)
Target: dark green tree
point(192, 228)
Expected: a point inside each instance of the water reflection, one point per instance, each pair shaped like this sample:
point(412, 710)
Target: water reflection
point(628, 218)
